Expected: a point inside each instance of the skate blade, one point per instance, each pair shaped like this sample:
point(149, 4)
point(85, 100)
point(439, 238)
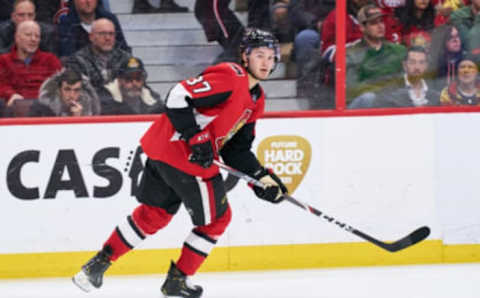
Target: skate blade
point(81, 280)
point(167, 296)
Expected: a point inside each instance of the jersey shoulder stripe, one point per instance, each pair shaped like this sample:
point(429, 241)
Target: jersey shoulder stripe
point(228, 69)
point(211, 100)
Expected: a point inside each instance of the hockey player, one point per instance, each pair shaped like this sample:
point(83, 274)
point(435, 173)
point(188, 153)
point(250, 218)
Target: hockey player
point(207, 117)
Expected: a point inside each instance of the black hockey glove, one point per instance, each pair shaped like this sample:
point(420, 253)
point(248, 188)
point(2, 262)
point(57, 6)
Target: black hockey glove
point(274, 188)
point(202, 151)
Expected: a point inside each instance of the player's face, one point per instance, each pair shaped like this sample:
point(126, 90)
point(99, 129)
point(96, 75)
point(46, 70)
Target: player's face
point(70, 93)
point(261, 62)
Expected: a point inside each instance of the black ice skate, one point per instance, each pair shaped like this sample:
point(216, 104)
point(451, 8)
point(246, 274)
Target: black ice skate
point(91, 275)
point(177, 285)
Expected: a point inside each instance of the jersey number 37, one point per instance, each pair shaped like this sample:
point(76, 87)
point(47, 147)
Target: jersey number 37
point(204, 86)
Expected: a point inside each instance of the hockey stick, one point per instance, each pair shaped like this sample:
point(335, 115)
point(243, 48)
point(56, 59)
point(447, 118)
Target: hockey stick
point(407, 241)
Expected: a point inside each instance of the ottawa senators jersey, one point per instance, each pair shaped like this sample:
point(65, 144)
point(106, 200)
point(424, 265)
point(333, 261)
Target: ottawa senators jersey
point(218, 100)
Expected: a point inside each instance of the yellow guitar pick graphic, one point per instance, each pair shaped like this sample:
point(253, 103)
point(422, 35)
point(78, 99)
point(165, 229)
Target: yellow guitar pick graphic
point(288, 156)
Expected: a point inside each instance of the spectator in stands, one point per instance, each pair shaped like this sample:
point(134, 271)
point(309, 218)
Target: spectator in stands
point(51, 11)
point(129, 93)
point(166, 6)
point(328, 46)
point(75, 28)
point(309, 14)
point(447, 51)
point(281, 25)
point(372, 62)
point(307, 18)
point(221, 24)
point(443, 9)
point(24, 10)
point(66, 93)
point(25, 67)
point(45, 9)
point(352, 27)
point(101, 59)
point(464, 18)
point(414, 90)
point(414, 20)
point(467, 21)
point(465, 90)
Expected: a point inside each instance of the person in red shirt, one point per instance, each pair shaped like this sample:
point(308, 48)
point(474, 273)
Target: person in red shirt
point(414, 22)
point(207, 117)
point(25, 67)
point(352, 28)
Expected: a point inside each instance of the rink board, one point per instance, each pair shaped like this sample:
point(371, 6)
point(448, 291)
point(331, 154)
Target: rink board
point(64, 187)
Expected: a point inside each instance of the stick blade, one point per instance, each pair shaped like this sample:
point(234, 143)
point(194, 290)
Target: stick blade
point(409, 240)
point(420, 234)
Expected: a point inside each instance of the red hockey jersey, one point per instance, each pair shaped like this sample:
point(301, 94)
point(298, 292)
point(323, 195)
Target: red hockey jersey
point(222, 118)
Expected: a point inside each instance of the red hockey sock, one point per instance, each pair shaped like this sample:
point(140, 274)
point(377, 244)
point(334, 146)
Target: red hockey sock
point(145, 220)
point(190, 261)
point(118, 246)
point(200, 242)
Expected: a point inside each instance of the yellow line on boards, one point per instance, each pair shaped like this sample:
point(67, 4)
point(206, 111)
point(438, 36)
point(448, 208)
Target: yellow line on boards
point(271, 257)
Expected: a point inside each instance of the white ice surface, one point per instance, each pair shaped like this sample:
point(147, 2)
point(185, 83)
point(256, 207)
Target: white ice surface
point(430, 281)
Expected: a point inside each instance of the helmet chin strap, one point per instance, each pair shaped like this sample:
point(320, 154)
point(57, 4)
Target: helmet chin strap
point(254, 76)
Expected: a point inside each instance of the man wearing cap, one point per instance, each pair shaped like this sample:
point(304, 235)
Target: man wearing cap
point(328, 46)
point(129, 94)
point(372, 62)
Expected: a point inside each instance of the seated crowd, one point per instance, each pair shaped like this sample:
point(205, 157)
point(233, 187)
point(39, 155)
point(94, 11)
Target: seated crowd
point(399, 53)
point(74, 60)
point(79, 64)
